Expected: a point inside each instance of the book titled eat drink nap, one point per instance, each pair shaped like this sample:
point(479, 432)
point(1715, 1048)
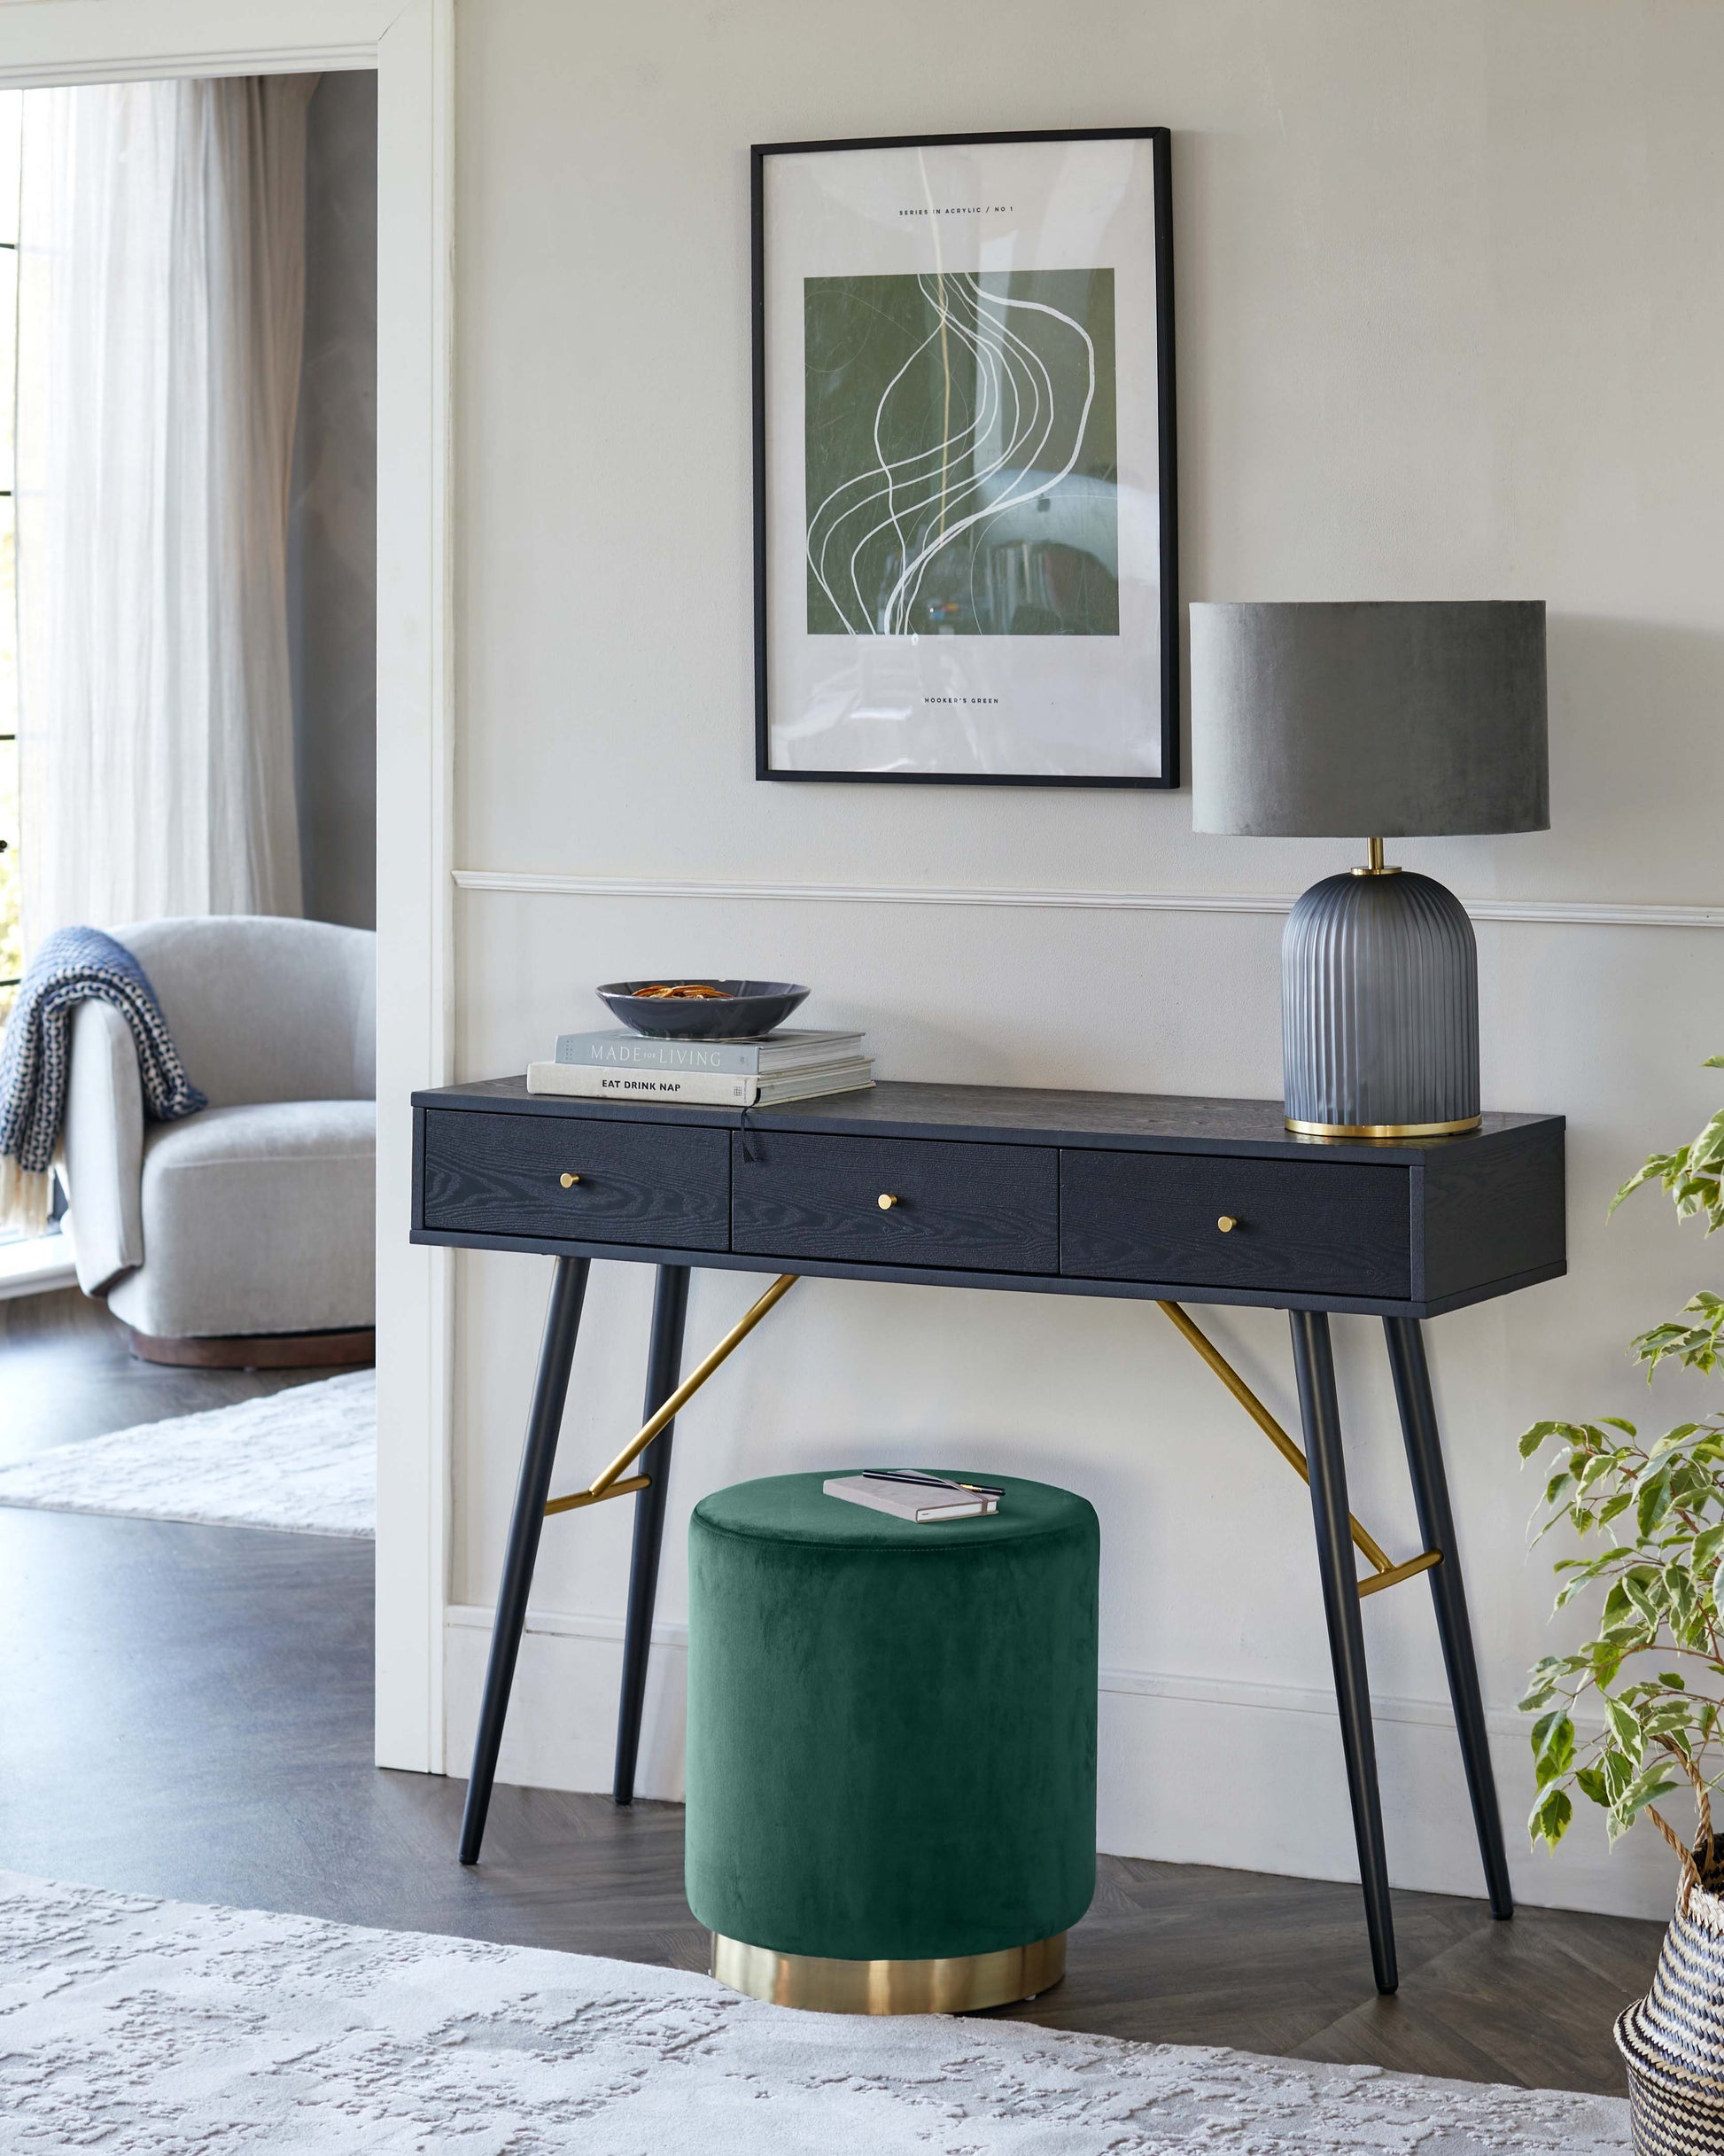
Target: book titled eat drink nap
point(698, 1089)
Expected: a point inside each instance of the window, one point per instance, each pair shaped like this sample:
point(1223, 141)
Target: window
point(12, 947)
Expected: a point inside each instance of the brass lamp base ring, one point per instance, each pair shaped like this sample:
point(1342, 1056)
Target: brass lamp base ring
point(1384, 1130)
point(954, 1983)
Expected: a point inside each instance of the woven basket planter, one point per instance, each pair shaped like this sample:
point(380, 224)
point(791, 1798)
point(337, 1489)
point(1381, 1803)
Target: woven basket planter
point(1673, 2038)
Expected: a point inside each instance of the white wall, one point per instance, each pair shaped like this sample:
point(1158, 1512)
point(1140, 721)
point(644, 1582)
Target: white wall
point(1451, 293)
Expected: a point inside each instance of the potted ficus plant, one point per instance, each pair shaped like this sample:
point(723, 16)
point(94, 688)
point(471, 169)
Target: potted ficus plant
point(1649, 1684)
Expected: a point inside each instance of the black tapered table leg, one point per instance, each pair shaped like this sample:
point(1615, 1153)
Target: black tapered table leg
point(538, 1457)
point(1314, 1363)
point(1436, 1524)
point(663, 1375)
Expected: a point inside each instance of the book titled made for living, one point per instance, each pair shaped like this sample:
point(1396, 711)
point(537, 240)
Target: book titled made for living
point(791, 1049)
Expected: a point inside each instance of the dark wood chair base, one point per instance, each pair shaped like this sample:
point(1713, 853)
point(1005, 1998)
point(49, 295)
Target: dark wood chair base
point(257, 1351)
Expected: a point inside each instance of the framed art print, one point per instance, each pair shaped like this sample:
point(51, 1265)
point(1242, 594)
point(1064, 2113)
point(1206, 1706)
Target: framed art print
point(964, 461)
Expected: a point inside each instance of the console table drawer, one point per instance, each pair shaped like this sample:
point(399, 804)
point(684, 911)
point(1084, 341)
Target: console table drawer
point(973, 1207)
point(635, 1182)
point(1314, 1228)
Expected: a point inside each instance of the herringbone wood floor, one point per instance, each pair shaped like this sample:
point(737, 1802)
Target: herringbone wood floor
point(186, 1711)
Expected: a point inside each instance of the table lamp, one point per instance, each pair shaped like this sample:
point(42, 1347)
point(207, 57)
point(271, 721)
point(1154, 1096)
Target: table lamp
point(1373, 720)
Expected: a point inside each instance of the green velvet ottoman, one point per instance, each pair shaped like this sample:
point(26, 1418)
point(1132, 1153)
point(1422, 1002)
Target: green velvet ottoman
point(891, 1744)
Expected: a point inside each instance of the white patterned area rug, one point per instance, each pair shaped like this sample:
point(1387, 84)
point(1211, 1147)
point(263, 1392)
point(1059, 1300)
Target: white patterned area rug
point(303, 1460)
point(159, 2028)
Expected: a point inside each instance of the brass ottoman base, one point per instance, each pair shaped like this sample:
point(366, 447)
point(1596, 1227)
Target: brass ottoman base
point(957, 1983)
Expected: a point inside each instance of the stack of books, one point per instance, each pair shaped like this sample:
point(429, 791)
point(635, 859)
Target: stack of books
point(791, 1064)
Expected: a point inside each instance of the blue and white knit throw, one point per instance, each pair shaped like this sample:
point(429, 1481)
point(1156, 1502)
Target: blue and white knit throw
point(74, 966)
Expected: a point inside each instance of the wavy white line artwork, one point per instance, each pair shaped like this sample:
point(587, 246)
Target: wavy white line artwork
point(873, 538)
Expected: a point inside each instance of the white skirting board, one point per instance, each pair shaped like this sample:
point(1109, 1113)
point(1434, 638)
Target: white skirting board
point(1192, 1770)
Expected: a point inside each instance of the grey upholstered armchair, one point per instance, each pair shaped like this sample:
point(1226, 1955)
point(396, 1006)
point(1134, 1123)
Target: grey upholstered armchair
point(257, 1215)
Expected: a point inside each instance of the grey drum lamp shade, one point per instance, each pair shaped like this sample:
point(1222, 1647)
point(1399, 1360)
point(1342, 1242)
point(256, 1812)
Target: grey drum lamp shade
point(1369, 719)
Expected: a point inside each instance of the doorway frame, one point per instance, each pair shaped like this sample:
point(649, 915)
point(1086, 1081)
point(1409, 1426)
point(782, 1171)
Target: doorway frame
point(410, 43)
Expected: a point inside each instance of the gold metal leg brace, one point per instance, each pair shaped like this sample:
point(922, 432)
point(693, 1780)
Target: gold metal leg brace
point(606, 1484)
point(1384, 1572)
point(612, 1483)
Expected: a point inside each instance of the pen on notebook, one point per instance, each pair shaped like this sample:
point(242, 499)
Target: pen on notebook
point(932, 1481)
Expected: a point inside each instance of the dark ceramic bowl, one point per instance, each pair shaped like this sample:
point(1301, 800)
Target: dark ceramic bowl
point(748, 1007)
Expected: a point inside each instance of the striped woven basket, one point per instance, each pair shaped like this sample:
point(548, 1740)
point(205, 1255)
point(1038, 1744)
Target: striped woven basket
point(1673, 2038)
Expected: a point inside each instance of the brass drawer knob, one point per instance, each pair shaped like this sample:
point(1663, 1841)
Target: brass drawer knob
point(887, 1201)
point(567, 1181)
point(1227, 1223)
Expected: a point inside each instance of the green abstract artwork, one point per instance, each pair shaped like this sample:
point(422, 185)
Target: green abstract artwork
point(961, 455)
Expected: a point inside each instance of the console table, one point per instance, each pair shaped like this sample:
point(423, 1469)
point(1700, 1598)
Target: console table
point(1149, 1198)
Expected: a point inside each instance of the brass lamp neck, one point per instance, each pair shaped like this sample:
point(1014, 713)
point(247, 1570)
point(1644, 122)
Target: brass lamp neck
point(1374, 863)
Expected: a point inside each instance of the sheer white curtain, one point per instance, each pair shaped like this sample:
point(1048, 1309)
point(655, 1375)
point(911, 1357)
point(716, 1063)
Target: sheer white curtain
point(161, 304)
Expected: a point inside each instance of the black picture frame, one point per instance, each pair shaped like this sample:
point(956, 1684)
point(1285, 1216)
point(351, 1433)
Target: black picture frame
point(1168, 779)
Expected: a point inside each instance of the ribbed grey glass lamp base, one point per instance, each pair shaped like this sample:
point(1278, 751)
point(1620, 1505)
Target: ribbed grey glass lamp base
point(1379, 1009)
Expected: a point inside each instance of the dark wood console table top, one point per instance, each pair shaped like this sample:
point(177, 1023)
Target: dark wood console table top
point(1410, 1228)
point(1154, 1197)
